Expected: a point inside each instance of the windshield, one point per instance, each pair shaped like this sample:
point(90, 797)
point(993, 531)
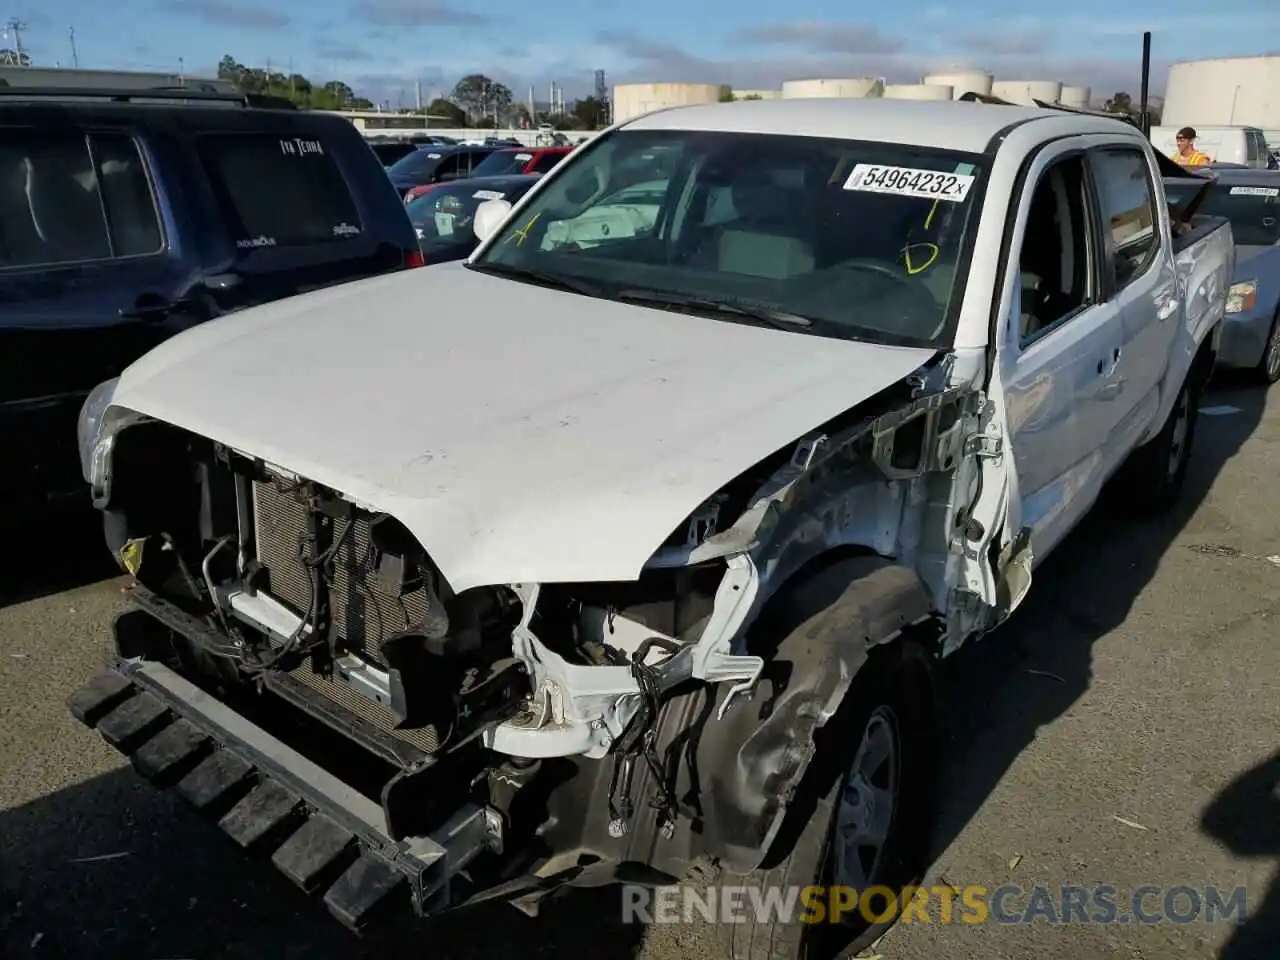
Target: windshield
point(862, 240)
point(1254, 210)
point(445, 216)
point(503, 163)
point(416, 164)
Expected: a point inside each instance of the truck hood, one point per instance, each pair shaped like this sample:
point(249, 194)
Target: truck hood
point(521, 433)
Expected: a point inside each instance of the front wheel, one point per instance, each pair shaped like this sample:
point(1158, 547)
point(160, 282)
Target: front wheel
point(870, 829)
point(1268, 370)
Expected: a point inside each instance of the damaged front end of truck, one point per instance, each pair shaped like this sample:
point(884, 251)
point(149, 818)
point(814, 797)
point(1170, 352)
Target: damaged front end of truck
point(298, 665)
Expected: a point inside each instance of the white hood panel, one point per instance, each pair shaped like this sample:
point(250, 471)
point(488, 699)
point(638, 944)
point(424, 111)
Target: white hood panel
point(521, 433)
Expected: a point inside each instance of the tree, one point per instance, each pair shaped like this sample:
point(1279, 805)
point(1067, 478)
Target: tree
point(447, 108)
point(726, 93)
point(481, 99)
point(589, 113)
point(11, 58)
point(334, 95)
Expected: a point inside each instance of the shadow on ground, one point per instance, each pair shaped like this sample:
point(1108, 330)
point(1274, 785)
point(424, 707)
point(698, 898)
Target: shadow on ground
point(1087, 588)
point(53, 552)
point(181, 889)
point(1245, 818)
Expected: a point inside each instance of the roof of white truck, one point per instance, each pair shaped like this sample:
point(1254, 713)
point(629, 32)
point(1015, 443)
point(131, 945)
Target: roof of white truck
point(944, 125)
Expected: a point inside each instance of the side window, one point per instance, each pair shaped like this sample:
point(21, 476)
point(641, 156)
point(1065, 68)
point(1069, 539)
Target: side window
point(66, 198)
point(457, 164)
point(1128, 211)
point(279, 191)
point(127, 197)
point(1055, 272)
point(546, 162)
point(50, 210)
point(1251, 154)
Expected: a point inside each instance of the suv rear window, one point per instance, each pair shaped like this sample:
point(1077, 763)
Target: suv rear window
point(279, 191)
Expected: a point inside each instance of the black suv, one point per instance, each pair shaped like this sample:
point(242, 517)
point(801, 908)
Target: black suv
point(127, 216)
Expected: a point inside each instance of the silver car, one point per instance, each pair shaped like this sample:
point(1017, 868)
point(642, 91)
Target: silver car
point(1250, 199)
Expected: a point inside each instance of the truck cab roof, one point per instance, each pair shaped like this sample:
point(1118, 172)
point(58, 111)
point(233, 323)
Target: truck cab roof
point(943, 125)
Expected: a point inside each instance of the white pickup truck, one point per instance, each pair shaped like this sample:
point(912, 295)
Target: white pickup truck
point(642, 549)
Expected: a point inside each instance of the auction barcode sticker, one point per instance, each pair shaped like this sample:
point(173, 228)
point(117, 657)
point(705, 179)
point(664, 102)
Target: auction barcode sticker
point(909, 182)
point(1255, 191)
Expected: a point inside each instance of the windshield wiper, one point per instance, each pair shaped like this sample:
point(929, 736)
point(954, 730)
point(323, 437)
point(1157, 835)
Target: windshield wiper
point(777, 319)
point(553, 280)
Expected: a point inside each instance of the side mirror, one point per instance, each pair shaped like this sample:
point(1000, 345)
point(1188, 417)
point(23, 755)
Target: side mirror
point(489, 217)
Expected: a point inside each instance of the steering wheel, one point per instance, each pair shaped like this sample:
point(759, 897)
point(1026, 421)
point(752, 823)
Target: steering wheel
point(872, 266)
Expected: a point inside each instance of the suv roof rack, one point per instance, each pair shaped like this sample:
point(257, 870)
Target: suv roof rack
point(1167, 167)
point(125, 95)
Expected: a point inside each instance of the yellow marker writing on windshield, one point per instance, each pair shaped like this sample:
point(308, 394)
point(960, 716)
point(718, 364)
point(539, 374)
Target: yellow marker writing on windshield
point(931, 255)
point(521, 235)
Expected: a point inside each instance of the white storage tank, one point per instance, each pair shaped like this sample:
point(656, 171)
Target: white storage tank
point(1027, 91)
point(1231, 92)
point(918, 91)
point(962, 82)
point(855, 87)
point(1076, 97)
point(632, 99)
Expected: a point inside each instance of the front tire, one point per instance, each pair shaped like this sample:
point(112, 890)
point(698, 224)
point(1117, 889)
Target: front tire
point(1268, 369)
point(870, 827)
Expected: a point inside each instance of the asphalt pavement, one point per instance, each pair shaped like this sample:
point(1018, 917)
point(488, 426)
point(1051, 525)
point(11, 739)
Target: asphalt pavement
point(1122, 729)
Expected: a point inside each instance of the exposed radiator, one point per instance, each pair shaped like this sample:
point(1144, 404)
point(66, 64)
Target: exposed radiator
point(362, 611)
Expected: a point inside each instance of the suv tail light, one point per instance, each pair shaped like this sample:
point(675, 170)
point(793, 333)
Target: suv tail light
point(414, 258)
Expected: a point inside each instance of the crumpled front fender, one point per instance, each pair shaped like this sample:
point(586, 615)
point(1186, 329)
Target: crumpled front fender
point(815, 637)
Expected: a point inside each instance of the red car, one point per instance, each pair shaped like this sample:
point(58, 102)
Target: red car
point(507, 162)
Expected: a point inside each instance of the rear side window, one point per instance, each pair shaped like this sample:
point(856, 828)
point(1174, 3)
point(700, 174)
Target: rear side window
point(546, 162)
point(1128, 211)
point(70, 198)
point(279, 191)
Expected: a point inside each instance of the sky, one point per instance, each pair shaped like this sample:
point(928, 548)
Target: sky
point(382, 47)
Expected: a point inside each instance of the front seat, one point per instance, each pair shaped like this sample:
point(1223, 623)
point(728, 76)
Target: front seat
point(772, 237)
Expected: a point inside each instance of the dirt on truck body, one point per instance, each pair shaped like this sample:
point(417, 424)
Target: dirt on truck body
point(647, 554)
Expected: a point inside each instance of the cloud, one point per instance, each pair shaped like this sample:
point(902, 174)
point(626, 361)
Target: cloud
point(823, 37)
point(654, 61)
point(228, 13)
point(415, 13)
point(345, 52)
point(1014, 43)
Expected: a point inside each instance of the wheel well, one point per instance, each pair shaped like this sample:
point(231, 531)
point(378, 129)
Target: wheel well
point(1202, 366)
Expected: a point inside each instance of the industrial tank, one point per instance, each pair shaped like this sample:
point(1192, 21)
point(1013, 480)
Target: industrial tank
point(632, 99)
point(833, 87)
point(1027, 91)
point(962, 82)
point(1076, 97)
point(1235, 91)
point(918, 91)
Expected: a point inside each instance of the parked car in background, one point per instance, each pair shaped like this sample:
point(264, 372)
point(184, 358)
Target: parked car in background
point(1243, 145)
point(444, 217)
point(1250, 199)
point(506, 162)
point(388, 151)
point(433, 164)
point(127, 216)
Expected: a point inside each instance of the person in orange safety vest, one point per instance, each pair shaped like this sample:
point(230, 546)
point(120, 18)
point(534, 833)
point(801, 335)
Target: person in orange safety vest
point(1187, 154)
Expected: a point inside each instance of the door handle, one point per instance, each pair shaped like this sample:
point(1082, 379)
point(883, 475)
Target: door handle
point(1166, 309)
point(153, 308)
point(1107, 366)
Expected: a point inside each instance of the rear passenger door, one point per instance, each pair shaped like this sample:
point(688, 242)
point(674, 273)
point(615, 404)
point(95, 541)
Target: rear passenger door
point(1139, 279)
point(86, 280)
point(1059, 345)
point(292, 220)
